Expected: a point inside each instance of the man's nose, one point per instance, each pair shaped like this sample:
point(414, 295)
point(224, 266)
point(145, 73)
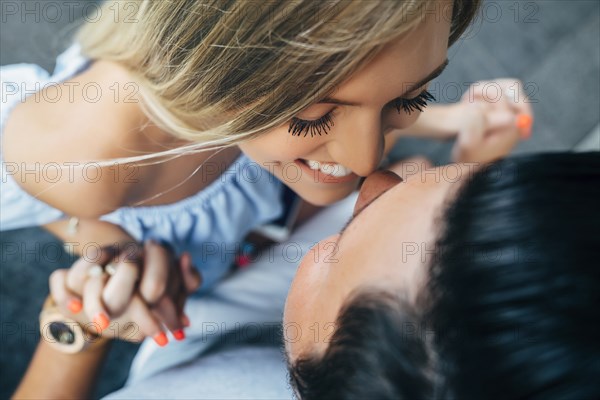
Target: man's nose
point(374, 186)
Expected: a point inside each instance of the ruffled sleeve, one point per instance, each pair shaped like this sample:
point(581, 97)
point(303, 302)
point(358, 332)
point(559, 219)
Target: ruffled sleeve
point(212, 223)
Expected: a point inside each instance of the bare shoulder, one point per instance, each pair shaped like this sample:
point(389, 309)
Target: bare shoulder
point(54, 146)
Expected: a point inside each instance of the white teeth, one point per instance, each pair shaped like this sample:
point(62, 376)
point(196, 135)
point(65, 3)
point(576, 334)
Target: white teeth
point(333, 169)
point(313, 164)
point(330, 169)
point(338, 171)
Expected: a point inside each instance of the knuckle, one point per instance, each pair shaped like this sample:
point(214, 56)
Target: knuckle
point(152, 291)
point(71, 283)
point(57, 275)
point(83, 263)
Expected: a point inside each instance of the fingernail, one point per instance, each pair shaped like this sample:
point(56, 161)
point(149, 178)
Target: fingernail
point(102, 320)
point(185, 320)
point(75, 306)
point(179, 334)
point(524, 122)
point(161, 339)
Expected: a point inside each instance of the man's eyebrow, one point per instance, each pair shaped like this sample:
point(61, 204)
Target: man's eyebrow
point(434, 74)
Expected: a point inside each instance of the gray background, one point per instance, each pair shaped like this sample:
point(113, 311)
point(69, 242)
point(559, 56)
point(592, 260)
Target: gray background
point(552, 46)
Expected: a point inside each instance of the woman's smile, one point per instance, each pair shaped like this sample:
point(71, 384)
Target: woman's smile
point(328, 173)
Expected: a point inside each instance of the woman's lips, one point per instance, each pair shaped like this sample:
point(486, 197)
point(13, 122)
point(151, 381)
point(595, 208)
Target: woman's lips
point(320, 177)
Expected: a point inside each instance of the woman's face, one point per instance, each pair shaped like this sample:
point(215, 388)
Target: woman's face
point(387, 245)
point(354, 145)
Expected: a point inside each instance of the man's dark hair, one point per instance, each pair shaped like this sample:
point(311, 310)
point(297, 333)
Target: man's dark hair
point(374, 353)
point(512, 297)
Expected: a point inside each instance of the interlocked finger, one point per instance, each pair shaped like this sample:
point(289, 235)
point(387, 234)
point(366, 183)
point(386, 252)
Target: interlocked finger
point(124, 274)
point(92, 298)
point(158, 265)
point(78, 273)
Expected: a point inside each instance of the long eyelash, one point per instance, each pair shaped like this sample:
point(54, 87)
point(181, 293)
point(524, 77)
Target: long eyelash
point(324, 124)
point(415, 104)
point(314, 127)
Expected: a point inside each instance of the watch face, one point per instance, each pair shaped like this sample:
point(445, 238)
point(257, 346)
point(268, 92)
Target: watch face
point(62, 333)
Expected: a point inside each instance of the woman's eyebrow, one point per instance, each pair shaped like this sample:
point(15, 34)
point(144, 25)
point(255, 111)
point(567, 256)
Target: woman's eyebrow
point(434, 74)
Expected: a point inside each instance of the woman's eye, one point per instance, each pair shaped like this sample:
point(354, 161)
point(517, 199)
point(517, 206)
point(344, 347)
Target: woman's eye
point(320, 126)
point(415, 104)
point(314, 127)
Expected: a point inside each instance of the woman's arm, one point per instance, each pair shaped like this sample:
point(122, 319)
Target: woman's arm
point(89, 233)
point(492, 111)
point(55, 375)
point(435, 122)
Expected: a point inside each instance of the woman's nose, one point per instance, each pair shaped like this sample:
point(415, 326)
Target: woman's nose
point(374, 186)
point(360, 143)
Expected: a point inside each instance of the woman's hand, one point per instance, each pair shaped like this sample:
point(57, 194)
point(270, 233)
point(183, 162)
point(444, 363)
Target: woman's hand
point(492, 117)
point(141, 299)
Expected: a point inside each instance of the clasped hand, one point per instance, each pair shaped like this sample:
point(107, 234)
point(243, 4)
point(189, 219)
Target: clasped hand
point(490, 120)
point(143, 291)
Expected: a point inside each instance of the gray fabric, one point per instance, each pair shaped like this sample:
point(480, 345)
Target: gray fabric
point(247, 372)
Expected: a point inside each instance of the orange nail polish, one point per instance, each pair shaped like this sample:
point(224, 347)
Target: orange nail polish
point(179, 334)
point(161, 339)
point(524, 121)
point(75, 306)
point(102, 320)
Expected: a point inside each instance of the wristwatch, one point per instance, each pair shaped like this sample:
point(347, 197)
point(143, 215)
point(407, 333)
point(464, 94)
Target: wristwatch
point(65, 334)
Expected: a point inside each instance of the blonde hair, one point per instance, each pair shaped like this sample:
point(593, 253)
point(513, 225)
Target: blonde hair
point(219, 72)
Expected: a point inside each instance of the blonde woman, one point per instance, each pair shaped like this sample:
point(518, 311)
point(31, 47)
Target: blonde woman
point(161, 110)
